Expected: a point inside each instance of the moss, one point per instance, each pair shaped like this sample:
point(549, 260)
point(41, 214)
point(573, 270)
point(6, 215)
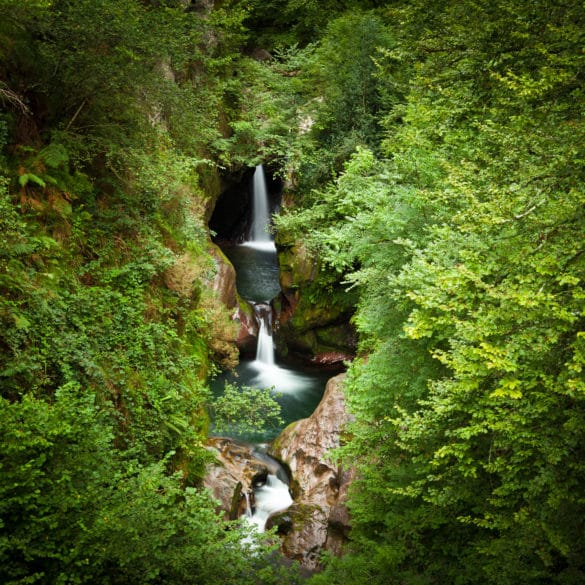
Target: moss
point(211, 185)
point(245, 307)
point(297, 266)
point(314, 312)
point(302, 514)
point(285, 436)
point(315, 308)
point(235, 503)
point(336, 336)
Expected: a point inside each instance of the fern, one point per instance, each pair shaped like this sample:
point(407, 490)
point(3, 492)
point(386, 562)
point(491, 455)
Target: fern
point(27, 178)
point(54, 155)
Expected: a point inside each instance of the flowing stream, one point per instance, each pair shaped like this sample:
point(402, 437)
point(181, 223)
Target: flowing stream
point(298, 391)
point(269, 498)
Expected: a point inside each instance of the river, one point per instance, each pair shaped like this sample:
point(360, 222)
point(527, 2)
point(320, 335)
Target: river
point(298, 390)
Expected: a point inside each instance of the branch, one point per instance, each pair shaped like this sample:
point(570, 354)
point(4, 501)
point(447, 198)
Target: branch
point(529, 211)
point(8, 95)
point(77, 112)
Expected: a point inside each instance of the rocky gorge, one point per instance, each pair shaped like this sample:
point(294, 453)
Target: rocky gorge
point(318, 520)
point(308, 328)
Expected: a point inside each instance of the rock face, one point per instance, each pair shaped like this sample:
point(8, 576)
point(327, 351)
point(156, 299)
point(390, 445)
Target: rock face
point(224, 280)
point(224, 284)
point(248, 331)
point(318, 520)
point(312, 324)
point(238, 465)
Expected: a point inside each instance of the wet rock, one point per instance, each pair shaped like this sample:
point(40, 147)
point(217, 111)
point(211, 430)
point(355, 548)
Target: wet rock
point(248, 331)
point(307, 535)
point(311, 318)
point(238, 465)
point(297, 267)
point(331, 358)
point(224, 280)
point(224, 284)
point(282, 521)
point(319, 517)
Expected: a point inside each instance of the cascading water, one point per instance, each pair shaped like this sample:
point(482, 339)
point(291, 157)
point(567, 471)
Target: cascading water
point(257, 281)
point(271, 493)
point(257, 274)
point(269, 498)
point(268, 373)
point(265, 348)
point(260, 209)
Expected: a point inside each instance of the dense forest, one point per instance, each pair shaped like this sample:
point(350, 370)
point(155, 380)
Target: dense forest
point(434, 159)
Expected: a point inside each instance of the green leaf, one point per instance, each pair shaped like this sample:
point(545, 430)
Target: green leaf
point(25, 178)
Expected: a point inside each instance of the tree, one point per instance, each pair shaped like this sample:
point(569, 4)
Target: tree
point(74, 509)
point(103, 356)
point(465, 247)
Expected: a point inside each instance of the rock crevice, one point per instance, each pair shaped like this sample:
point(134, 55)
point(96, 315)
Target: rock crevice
point(319, 520)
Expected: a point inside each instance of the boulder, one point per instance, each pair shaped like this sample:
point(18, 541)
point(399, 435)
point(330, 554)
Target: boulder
point(224, 284)
point(231, 477)
point(313, 313)
point(248, 331)
point(318, 520)
point(224, 279)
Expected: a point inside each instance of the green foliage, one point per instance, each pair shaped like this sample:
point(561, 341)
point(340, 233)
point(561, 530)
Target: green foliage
point(437, 155)
point(310, 105)
point(106, 331)
point(344, 94)
point(278, 23)
point(110, 519)
point(267, 111)
point(245, 410)
point(464, 243)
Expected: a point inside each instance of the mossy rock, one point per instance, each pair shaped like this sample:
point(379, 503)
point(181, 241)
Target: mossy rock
point(289, 341)
point(314, 308)
point(282, 521)
point(297, 266)
point(310, 314)
point(302, 513)
point(285, 437)
point(336, 337)
point(308, 344)
point(245, 307)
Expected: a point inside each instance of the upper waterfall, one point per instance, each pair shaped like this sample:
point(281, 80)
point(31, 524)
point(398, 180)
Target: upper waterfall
point(260, 208)
point(259, 236)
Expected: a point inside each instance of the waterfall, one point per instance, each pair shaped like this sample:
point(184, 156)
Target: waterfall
point(249, 512)
point(265, 348)
point(268, 374)
point(260, 209)
point(271, 497)
point(271, 492)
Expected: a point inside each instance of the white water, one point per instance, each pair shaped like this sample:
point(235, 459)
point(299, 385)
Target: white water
point(283, 380)
point(265, 347)
point(261, 246)
point(270, 498)
point(274, 495)
point(259, 234)
point(266, 373)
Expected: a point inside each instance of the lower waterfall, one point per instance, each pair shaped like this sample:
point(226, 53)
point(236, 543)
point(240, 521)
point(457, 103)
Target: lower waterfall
point(270, 497)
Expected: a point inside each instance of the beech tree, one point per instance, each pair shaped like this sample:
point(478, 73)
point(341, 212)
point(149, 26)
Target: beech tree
point(464, 238)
